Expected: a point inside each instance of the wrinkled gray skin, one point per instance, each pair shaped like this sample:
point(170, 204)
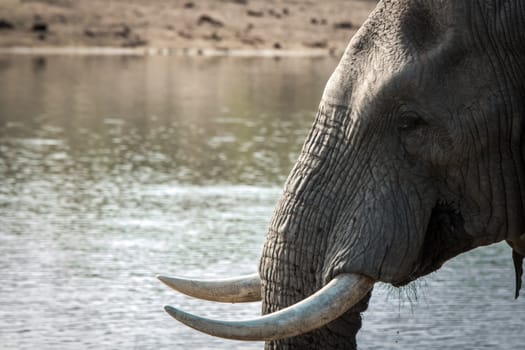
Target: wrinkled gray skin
point(416, 155)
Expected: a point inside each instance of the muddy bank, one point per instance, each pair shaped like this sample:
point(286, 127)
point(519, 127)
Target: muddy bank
point(183, 26)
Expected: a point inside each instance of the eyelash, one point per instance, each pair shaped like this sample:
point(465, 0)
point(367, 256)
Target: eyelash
point(410, 121)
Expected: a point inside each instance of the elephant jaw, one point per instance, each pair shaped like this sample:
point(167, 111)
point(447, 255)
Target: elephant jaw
point(319, 309)
point(444, 238)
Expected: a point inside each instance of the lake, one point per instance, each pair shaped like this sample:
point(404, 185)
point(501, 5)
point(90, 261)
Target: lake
point(115, 169)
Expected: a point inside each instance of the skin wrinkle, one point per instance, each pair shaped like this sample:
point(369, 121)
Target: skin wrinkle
point(303, 206)
point(330, 159)
point(406, 213)
point(407, 224)
point(494, 69)
point(310, 152)
point(347, 181)
point(352, 180)
point(509, 105)
point(312, 205)
point(387, 248)
point(488, 179)
point(318, 197)
point(475, 165)
point(352, 199)
point(406, 228)
point(498, 58)
point(337, 209)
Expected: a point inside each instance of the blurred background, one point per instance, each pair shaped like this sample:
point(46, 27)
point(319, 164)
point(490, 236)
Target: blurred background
point(115, 168)
point(183, 24)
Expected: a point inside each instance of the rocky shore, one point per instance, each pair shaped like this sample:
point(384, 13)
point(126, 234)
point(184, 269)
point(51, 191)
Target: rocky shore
point(186, 26)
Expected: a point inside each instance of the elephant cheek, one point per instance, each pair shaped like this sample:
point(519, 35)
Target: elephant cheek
point(382, 239)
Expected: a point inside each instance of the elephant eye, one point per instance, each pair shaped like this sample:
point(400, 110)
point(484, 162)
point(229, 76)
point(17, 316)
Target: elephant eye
point(410, 121)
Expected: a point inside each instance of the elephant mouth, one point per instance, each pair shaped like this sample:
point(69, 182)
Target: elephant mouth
point(445, 237)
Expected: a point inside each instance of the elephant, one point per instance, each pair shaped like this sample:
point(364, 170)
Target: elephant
point(416, 155)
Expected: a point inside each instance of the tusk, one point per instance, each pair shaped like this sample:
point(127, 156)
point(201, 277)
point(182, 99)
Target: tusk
point(327, 304)
point(231, 290)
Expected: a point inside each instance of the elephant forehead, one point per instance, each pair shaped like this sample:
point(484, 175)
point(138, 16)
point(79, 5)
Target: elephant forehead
point(393, 50)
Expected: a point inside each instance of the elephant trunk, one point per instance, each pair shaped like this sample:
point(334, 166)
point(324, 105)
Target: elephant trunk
point(292, 265)
point(291, 271)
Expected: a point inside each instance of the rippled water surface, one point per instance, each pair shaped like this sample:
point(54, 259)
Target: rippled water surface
point(114, 169)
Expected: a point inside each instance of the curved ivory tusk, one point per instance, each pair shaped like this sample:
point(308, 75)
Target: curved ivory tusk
point(231, 290)
point(324, 306)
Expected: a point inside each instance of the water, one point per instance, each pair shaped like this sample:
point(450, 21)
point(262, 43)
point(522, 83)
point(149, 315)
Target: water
point(114, 169)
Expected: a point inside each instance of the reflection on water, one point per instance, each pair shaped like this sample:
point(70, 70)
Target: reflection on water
point(115, 169)
point(190, 120)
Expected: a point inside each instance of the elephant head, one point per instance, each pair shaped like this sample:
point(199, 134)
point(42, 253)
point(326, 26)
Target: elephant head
point(416, 155)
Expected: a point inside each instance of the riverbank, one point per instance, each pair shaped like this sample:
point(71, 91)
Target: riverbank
point(151, 51)
point(208, 27)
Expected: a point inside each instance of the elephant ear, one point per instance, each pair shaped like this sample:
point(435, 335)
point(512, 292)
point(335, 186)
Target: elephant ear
point(519, 251)
point(518, 255)
point(518, 269)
